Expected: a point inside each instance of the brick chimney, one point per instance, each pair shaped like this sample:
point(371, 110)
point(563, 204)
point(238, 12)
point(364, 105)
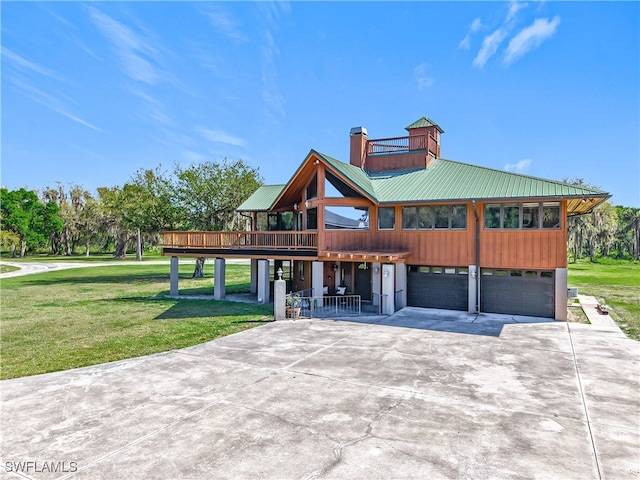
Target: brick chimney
point(358, 151)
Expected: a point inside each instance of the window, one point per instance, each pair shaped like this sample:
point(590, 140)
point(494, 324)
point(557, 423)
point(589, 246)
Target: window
point(522, 216)
point(409, 218)
point(440, 217)
point(511, 216)
point(312, 219)
point(425, 217)
point(551, 215)
point(346, 218)
point(530, 215)
point(459, 216)
point(386, 218)
point(492, 216)
point(312, 188)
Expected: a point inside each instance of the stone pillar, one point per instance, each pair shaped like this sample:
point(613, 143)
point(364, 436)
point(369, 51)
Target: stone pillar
point(561, 294)
point(401, 285)
point(388, 289)
point(279, 299)
point(473, 289)
point(317, 279)
point(173, 277)
point(219, 291)
point(253, 288)
point(263, 281)
point(375, 283)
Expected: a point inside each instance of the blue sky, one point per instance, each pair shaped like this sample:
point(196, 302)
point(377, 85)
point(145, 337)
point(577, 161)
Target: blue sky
point(91, 92)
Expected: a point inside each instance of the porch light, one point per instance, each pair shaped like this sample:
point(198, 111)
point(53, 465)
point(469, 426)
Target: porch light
point(376, 270)
point(279, 272)
point(335, 267)
point(385, 273)
point(307, 203)
point(295, 206)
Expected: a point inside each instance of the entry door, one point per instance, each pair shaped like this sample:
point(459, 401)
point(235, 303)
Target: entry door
point(362, 281)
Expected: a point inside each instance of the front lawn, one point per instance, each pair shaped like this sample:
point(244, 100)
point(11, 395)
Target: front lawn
point(616, 284)
point(73, 318)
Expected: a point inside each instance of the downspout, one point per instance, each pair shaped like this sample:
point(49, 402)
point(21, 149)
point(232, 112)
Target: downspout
point(475, 213)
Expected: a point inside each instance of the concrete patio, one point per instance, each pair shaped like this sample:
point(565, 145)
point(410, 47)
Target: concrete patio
point(420, 394)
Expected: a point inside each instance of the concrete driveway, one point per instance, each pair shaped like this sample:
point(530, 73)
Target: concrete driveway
point(438, 397)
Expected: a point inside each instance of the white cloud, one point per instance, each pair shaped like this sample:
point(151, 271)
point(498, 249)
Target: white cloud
point(220, 136)
point(489, 47)
point(514, 7)
point(530, 38)
point(25, 65)
point(519, 167)
point(129, 46)
point(224, 23)
point(423, 79)
point(476, 25)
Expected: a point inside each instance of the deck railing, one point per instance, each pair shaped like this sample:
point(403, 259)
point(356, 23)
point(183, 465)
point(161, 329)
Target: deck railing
point(235, 240)
point(401, 144)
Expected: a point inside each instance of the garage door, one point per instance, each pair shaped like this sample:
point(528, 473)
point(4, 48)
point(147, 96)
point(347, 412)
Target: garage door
point(517, 292)
point(438, 287)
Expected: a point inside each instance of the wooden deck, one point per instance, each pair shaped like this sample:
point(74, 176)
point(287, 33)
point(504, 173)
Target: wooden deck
point(241, 240)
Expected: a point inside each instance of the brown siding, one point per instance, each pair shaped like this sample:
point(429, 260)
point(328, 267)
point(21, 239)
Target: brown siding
point(378, 163)
point(534, 249)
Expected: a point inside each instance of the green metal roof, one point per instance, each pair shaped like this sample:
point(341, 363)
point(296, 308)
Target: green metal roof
point(450, 180)
point(424, 122)
point(262, 199)
point(443, 180)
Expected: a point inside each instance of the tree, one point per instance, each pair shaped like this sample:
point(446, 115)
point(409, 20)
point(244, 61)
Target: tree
point(30, 220)
point(209, 193)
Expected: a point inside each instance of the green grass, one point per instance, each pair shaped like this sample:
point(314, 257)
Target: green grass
point(613, 283)
point(73, 318)
point(98, 257)
point(8, 268)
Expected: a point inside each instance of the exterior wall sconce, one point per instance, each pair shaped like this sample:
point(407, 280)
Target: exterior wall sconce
point(376, 270)
point(307, 203)
point(385, 273)
point(295, 206)
point(335, 267)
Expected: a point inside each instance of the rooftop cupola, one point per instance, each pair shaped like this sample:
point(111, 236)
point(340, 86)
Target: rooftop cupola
point(398, 153)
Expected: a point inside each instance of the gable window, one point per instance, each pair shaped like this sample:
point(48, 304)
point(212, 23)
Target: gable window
point(312, 188)
point(525, 216)
point(346, 218)
point(438, 217)
point(386, 218)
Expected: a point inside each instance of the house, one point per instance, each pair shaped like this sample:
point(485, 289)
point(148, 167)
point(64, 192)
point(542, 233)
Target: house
point(400, 225)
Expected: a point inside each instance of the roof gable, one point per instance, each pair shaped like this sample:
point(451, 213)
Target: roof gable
point(424, 122)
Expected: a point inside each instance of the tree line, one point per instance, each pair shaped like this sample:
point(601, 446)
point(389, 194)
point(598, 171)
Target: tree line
point(204, 196)
point(126, 218)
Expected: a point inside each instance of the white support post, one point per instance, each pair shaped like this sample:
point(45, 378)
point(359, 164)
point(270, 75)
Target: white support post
point(473, 289)
point(317, 279)
point(263, 281)
point(279, 299)
point(561, 294)
point(376, 284)
point(388, 289)
point(173, 277)
point(219, 290)
point(401, 285)
point(253, 286)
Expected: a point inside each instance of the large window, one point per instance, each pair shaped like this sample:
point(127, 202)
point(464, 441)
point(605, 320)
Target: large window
point(312, 218)
point(386, 218)
point(346, 218)
point(438, 217)
point(522, 216)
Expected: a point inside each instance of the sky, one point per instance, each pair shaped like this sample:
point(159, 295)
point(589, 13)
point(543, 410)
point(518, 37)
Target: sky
point(93, 92)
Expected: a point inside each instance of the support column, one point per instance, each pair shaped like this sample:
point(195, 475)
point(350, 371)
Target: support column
point(375, 283)
point(279, 299)
point(561, 294)
point(173, 277)
point(473, 290)
point(263, 281)
point(388, 289)
point(317, 279)
point(219, 291)
point(253, 286)
point(401, 285)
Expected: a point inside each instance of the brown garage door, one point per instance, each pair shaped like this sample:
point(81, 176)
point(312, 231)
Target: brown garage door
point(517, 292)
point(438, 287)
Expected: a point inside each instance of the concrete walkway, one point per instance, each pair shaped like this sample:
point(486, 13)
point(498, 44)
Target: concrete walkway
point(416, 395)
point(589, 305)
